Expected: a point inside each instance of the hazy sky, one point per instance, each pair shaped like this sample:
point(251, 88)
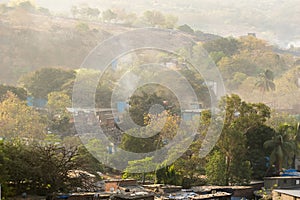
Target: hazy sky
point(274, 20)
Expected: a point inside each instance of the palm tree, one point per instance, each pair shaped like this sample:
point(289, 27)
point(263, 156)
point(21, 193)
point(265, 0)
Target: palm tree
point(283, 147)
point(298, 135)
point(265, 82)
point(297, 144)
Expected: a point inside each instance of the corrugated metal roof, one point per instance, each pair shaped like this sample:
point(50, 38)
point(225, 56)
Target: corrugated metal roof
point(294, 193)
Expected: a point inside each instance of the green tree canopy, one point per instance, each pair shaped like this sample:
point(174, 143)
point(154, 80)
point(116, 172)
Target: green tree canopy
point(19, 120)
point(40, 168)
point(140, 106)
point(228, 46)
point(59, 117)
point(240, 117)
point(46, 80)
point(283, 146)
point(108, 15)
point(154, 18)
point(216, 168)
point(20, 92)
point(186, 28)
point(139, 168)
point(256, 153)
point(265, 81)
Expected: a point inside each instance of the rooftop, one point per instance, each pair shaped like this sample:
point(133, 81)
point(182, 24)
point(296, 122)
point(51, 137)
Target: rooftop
point(294, 193)
point(283, 177)
point(209, 188)
point(211, 196)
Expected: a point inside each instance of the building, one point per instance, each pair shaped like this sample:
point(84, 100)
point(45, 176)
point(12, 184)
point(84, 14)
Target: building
point(237, 192)
point(286, 194)
point(137, 196)
point(188, 115)
point(113, 185)
point(282, 182)
point(252, 34)
point(217, 195)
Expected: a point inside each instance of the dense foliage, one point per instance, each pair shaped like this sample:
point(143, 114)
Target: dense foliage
point(39, 150)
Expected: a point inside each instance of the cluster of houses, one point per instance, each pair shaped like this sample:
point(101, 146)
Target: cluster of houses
point(130, 189)
point(284, 187)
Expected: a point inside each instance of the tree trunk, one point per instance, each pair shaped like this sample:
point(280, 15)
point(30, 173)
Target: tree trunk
point(227, 170)
point(144, 177)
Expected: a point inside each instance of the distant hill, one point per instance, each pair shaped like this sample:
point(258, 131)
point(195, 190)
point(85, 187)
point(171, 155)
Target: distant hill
point(29, 41)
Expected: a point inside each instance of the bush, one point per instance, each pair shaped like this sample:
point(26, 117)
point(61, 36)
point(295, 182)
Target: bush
point(82, 27)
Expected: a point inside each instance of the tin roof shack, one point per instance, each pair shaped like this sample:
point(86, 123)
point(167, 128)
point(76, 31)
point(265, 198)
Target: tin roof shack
point(286, 194)
point(282, 182)
point(114, 184)
point(217, 195)
point(104, 116)
point(160, 188)
point(170, 188)
point(132, 196)
point(83, 196)
point(236, 191)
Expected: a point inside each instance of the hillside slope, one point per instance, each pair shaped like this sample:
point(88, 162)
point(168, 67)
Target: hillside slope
point(30, 41)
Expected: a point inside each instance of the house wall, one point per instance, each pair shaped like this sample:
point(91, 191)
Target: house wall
point(248, 193)
point(281, 182)
point(87, 197)
point(126, 197)
point(287, 197)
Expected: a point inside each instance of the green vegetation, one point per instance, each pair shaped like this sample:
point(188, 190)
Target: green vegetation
point(250, 134)
point(265, 82)
point(215, 169)
point(46, 80)
point(33, 160)
point(40, 168)
point(284, 146)
point(59, 117)
point(19, 120)
point(18, 91)
point(232, 146)
point(39, 150)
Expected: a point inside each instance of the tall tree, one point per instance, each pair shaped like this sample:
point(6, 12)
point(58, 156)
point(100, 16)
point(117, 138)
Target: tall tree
point(140, 106)
point(137, 144)
point(108, 15)
point(140, 168)
point(19, 120)
point(215, 169)
point(240, 117)
point(20, 92)
point(168, 175)
point(58, 115)
point(228, 46)
point(4, 173)
point(170, 21)
point(283, 147)
point(46, 80)
point(186, 28)
point(41, 168)
point(265, 82)
point(256, 153)
point(154, 18)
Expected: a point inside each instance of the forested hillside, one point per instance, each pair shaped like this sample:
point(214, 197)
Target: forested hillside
point(153, 110)
point(32, 38)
